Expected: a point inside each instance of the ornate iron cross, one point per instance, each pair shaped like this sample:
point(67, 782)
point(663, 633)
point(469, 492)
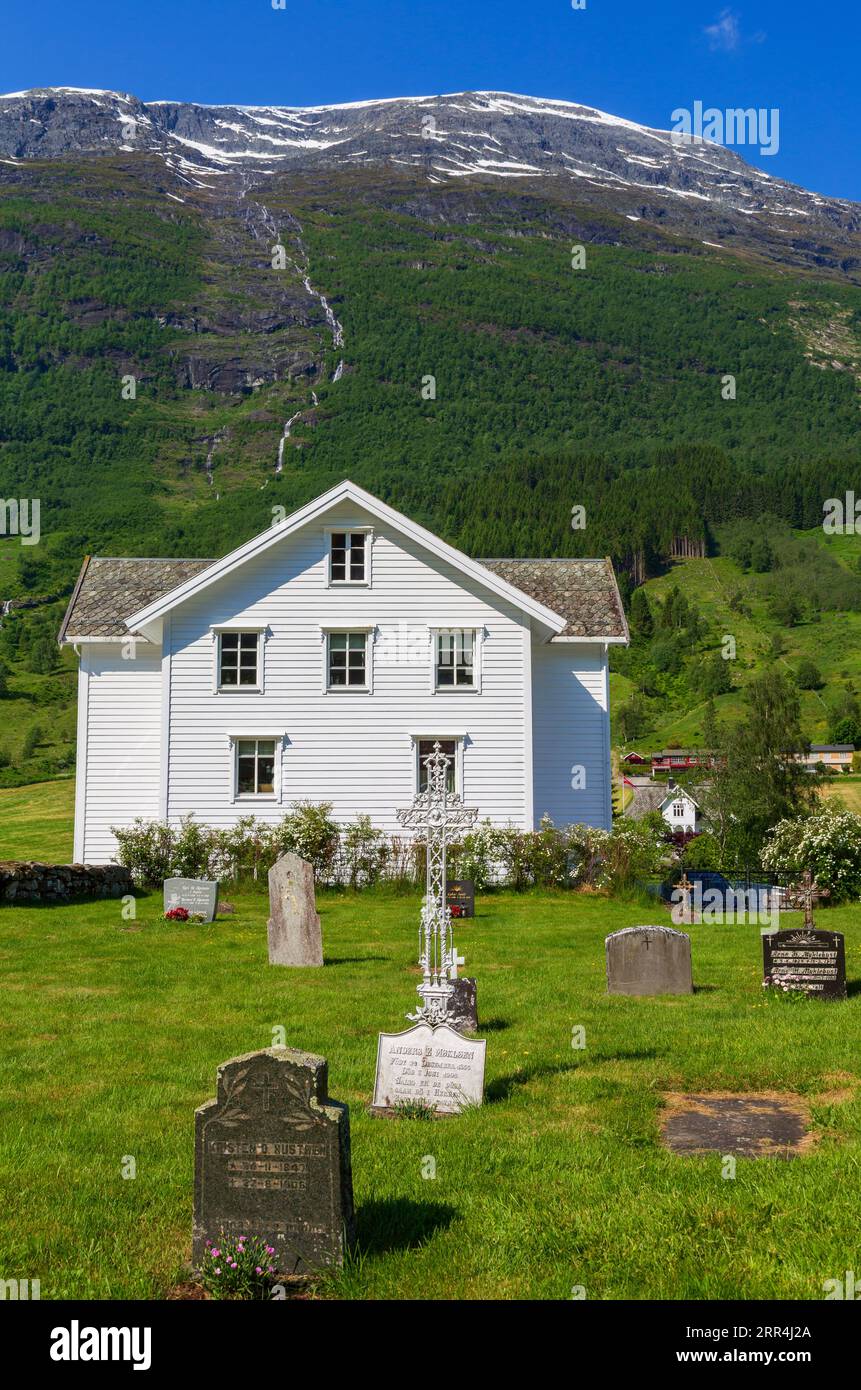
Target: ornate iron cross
point(436, 814)
point(806, 894)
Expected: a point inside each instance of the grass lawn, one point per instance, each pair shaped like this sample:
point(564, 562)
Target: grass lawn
point(113, 1031)
point(36, 821)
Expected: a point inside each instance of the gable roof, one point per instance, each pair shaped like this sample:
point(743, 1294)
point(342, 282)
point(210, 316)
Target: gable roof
point(576, 599)
point(108, 587)
point(583, 591)
point(345, 491)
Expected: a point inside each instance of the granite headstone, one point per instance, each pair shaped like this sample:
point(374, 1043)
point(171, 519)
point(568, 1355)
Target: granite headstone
point(293, 929)
point(812, 962)
point(198, 895)
point(649, 960)
point(272, 1160)
point(460, 896)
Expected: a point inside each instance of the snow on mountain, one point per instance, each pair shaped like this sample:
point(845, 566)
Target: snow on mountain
point(484, 135)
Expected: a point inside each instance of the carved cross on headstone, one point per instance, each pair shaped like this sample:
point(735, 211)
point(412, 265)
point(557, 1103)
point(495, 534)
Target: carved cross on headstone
point(267, 1088)
point(456, 960)
point(436, 814)
point(807, 894)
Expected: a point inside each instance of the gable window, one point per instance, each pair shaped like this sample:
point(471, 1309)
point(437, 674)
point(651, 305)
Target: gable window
point(239, 660)
point(347, 661)
point(455, 659)
point(255, 766)
point(349, 557)
point(424, 749)
point(678, 809)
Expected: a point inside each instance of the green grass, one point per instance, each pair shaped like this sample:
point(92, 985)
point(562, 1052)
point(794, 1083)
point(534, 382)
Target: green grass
point(36, 821)
point(113, 1031)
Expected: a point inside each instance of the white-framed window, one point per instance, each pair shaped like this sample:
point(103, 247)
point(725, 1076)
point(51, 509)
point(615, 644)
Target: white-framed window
point(452, 746)
point(348, 660)
point(678, 809)
point(254, 767)
point(238, 659)
point(350, 556)
point(454, 659)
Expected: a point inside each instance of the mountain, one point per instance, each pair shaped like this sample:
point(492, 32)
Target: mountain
point(208, 314)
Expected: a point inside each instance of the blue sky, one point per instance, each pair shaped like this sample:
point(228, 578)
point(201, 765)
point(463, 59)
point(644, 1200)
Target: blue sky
point(636, 58)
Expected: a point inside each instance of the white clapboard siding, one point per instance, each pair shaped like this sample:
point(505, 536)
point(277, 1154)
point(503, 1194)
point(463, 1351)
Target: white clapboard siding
point(571, 729)
point(120, 722)
point(352, 749)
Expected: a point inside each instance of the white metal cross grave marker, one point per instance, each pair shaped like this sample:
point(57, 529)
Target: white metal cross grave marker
point(438, 813)
point(431, 1065)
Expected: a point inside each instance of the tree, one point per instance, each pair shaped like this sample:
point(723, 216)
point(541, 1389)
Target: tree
point(786, 609)
point(32, 739)
point(714, 676)
point(761, 555)
point(642, 622)
point(808, 676)
point(758, 780)
point(41, 660)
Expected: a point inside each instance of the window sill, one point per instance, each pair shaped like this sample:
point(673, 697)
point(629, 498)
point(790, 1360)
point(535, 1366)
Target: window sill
point(348, 690)
point(238, 690)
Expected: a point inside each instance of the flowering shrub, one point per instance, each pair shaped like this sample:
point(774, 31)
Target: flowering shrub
point(828, 843)
point(177, 914)
point(237, 1269)
point(366, 852)
point(358, 854)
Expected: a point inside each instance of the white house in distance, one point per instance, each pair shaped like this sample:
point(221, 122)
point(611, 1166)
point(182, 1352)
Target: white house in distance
point(678, 806)
point(322, 659)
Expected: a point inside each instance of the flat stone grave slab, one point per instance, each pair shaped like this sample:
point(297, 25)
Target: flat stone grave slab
point(756, 1126)
point(437, 1067)
point(197, 895)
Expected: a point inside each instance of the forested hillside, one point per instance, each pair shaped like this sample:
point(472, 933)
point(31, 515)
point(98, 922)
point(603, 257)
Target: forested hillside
point(484, 384)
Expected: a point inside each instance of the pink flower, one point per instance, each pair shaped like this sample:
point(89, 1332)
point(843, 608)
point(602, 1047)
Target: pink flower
point(258, 1270)
point(218, 1271)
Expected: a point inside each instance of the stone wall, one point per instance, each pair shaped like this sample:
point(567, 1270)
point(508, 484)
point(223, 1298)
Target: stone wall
point(22, 882)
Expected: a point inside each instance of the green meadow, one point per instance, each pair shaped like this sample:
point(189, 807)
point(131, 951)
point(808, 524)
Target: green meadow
point(113, 1028)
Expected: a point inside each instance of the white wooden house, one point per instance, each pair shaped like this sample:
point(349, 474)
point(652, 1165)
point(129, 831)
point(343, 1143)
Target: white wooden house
point(320, 660)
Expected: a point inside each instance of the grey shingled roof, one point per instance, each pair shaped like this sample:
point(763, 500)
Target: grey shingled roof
point(646, 799)
point(584, 592)
point(108, 590)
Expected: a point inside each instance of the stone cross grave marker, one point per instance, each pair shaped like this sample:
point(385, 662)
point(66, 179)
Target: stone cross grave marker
point(272, 1160)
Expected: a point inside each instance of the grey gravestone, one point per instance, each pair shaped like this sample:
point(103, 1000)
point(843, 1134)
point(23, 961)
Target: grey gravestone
point(649, 960)
point(463, 1005)
point(272, 1160)
point(434, 1066)
point(294, 931)
point(199, 895)
point(813, 962)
